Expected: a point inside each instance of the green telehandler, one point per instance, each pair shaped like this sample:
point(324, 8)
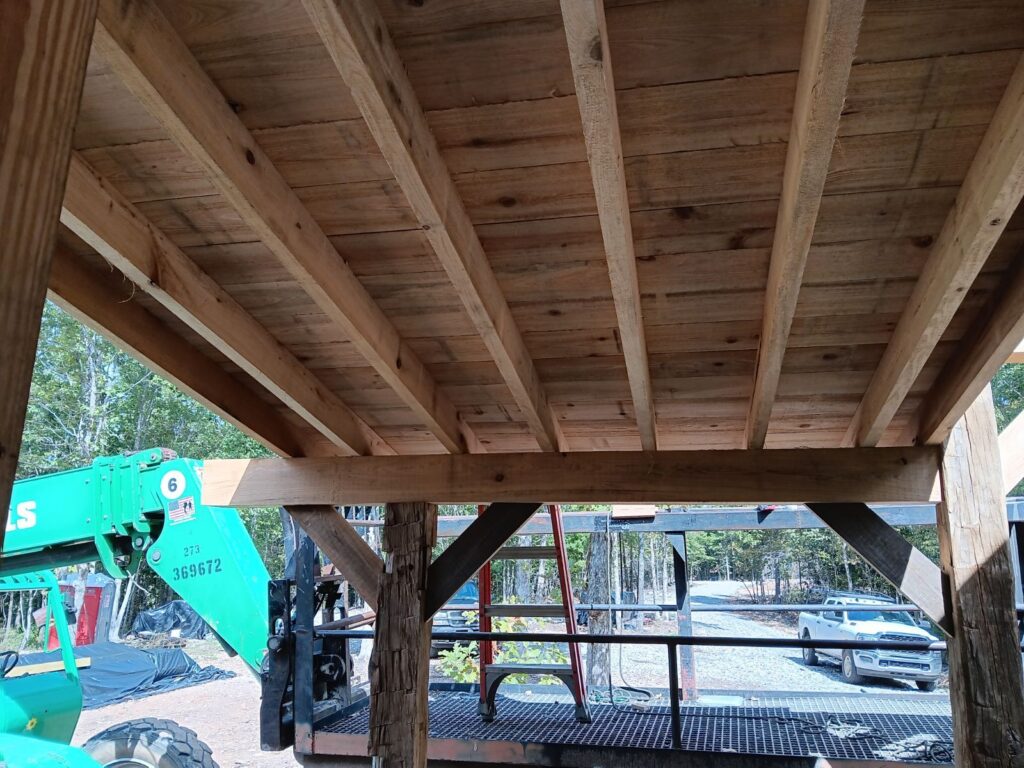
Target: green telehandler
point(118, 511)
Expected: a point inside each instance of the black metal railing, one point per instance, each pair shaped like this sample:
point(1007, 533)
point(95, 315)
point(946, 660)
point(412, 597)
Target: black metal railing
point(671, 643)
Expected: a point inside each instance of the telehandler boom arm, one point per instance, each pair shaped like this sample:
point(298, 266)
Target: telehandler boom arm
point(122, 509)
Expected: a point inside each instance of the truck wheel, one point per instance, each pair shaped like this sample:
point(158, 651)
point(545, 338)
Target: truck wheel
point(810, 657)
point(926, 685)
point(850, 673)
point(149, 743)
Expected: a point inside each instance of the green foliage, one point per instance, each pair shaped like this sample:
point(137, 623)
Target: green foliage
point(461, 663)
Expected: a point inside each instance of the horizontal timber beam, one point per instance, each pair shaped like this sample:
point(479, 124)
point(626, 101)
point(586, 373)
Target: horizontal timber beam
point(798, 475)
point(898, 561)
point(1011, 453)
point(476, 546)
point(103, 302)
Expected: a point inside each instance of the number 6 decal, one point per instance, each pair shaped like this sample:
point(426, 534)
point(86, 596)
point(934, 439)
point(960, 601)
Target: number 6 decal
point(172, 485)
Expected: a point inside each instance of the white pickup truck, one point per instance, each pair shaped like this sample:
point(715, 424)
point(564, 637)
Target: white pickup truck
point(869, 623)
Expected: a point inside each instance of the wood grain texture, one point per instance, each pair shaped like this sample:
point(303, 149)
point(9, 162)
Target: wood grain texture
point(830, 40)
point(890, 474)
point(988, 197)
point(337, 539)
point(587, 36)
point(996, 332)
point(986, 688)
point(143, 49)
point(898, 561)
point(104, 302)
point(44, 46)
point(357, 39)
point(400, 661)
point(94, 211)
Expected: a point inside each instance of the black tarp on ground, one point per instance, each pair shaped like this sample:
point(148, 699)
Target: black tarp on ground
point(122, 673)
point(177, 614)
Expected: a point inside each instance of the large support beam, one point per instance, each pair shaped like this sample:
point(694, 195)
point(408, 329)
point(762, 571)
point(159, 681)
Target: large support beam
point(471, 550)
point(44, 47)
point(985, 676)
point(104, 303)
point(788, 476)
point(830, 39)
point(978, 356)
point(103, 218)
point(400, 663)
point(337, 539)
point(357, 39)
point(988, 197)
point(587, 35)
point(684, 618)
point(901, 563)
point(142, 47)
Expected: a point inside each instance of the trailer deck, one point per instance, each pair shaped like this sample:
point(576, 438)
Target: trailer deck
point(538, 728)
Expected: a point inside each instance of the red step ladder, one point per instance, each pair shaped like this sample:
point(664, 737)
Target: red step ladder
point(491, 674)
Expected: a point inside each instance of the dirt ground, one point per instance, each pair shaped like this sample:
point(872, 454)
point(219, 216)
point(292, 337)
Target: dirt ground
point(225, 713)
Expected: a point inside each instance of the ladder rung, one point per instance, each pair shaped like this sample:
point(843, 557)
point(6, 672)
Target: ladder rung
point(526, 553)
point(526, 609)
point(528, 669)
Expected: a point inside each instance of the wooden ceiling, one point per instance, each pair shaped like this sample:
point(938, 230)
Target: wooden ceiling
point(418, 226)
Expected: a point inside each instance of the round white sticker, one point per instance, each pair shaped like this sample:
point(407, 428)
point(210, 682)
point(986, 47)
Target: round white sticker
point(172, 485)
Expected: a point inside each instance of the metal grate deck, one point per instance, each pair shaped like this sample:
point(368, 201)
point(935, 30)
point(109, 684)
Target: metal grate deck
point(839, 727)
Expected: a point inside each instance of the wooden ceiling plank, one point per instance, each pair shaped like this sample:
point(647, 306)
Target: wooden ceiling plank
point(358, 41)
point(977, 358)
point(103, 302)
point(700, 476)
point(98, 214)
point(141, 46)
point(988, 197)
point(830, 41)
point(587, 36)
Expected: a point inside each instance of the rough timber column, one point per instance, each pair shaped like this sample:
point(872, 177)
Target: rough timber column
point(400, 663)
point(44, 46)
point(985, 677)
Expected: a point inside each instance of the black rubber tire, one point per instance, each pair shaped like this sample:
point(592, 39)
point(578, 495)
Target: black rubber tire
point(809, 655)
point(152, 741)
point(849, 669)
point(926, 685)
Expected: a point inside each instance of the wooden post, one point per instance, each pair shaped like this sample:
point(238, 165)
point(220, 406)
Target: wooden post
point(400, 663)
point(44, 46)
point(985, 676)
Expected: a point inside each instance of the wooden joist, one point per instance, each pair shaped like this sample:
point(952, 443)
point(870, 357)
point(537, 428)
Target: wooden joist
point(337, 539)
point(978, 356)
point(44, 48)
point(103, 301)
point(987, 198)
point(146, 53)
point(986, 689)
point(400, 660)
point(98, 214)
point(472, 549)
point(898, 561)
point(797, 475)
point(830, 40)
point(587, 36)
point(357, 39)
